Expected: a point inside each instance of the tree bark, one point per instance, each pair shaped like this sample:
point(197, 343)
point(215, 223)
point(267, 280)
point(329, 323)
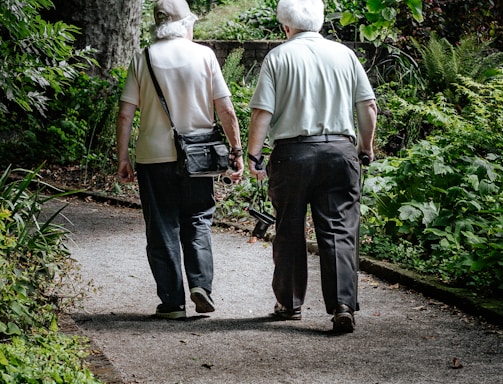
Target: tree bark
point(112, 27)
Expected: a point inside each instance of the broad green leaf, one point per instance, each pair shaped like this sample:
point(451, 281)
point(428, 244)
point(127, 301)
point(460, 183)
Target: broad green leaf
point(473, 238)
point(3, 359)
point(389, 14)
point(377, 5)
point(410, 213)
point(441, 169)
point(12, 329)
point(436, 232)
point(430, 212)
point(348, 18)
point(369, 32)
point(416, 7)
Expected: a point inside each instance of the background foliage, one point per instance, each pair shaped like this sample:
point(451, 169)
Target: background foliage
point(432, 202)
point(36, 272)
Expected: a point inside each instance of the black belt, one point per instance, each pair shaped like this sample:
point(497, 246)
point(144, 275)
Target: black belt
point(313, 139)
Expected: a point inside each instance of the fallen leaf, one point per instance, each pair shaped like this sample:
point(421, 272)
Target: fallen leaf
point(394, 286)
point(456, 363)
point(252, 240)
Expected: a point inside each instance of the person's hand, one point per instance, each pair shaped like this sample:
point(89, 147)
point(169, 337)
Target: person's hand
point(238, 168)
point(125, 172)
point(256, 166)
point(364, 158)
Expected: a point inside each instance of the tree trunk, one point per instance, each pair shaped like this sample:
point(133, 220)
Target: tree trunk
point(110, 26)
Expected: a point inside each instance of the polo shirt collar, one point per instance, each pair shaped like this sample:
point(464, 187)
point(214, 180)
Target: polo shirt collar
point(304, 35)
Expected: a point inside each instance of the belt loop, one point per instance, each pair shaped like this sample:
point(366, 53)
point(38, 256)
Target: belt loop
point(326, 138)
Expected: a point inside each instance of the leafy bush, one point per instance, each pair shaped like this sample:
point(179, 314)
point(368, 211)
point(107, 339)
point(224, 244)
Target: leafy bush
point(375, 20)
point(443, 63)
point(241, 89)
point(255, 23)
point(46, 358)
point(38, 59)
point(78, 127)
point(34, 256)
point(417, 99)
point(452, 19)
point(448, 206)
point(35, 267)
point(442, 200)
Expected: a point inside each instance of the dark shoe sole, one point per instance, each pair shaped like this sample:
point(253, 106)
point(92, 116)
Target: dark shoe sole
point(286, 316)
point(284, 313)
point(343, 323)
point(170, 313)
point(177, 315)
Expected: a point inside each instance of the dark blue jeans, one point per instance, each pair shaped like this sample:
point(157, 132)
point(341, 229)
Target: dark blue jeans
point(177, 212)
point(326, 176)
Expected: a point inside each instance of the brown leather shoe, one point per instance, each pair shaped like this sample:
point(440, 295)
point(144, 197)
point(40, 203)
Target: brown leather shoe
point(285, 313)
point(344, 320)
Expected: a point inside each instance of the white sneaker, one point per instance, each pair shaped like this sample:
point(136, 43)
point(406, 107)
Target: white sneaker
point(202, 299)
point(170, 313)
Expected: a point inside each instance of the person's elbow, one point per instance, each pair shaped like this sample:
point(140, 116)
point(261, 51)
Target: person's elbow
point(367, 107)
point(225, 109)
point(126, 112)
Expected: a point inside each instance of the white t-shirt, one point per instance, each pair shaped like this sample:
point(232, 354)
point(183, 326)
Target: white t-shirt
point(190, 78)
point(310, 85)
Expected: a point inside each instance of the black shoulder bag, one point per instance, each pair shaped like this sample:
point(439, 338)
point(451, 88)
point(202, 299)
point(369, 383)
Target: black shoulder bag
point(200, 155)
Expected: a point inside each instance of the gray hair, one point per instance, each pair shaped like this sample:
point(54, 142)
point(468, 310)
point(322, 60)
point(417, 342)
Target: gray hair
point(304, 15)
point(173, 29)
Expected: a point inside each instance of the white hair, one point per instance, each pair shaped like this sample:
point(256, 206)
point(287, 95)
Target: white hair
point(173, 29)
point(304, 15)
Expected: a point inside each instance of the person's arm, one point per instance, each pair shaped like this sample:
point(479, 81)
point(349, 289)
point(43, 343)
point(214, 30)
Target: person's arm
point(123, 132)
point(366, 112)
point(230, 124)
point(259, 125)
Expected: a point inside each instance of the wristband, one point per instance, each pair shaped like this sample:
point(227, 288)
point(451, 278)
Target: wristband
point(237, 152)
point(258, 162)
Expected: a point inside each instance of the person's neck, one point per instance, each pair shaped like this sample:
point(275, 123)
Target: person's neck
point(291, 32)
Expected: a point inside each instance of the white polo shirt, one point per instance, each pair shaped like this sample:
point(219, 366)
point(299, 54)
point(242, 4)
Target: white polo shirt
point(310, 85)
point(190, 78)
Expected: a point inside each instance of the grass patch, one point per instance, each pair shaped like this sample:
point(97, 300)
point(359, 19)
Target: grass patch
point(209, 24)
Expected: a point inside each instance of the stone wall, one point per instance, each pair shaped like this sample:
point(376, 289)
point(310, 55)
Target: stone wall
point(255, 51)
point(253, 55)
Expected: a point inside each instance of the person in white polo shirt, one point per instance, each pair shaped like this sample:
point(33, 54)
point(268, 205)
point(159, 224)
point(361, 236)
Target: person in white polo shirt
point(307, 94)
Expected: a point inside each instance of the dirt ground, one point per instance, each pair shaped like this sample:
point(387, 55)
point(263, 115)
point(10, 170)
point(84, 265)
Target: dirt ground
point(401, 335)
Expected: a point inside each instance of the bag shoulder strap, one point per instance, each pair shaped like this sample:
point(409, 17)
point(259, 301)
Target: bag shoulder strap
point(157, 87)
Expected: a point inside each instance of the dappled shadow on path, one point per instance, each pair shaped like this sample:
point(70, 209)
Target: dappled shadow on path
point(134, 323)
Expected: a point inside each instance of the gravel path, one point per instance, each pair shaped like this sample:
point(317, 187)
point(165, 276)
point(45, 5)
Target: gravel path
point(401, 336)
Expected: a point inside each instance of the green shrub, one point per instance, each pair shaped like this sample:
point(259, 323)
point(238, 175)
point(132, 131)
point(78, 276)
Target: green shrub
point(47, 358)
point(34, 257)
point(241, 88)
point(437, 208)
point(35, 271)
point(38, 59)
point(443, 63)
point(255, 23)
point(78, 129)
point(444, 204)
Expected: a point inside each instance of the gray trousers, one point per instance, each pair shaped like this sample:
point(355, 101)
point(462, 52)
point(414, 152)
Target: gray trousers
point(326, 176)
point(177, 212)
